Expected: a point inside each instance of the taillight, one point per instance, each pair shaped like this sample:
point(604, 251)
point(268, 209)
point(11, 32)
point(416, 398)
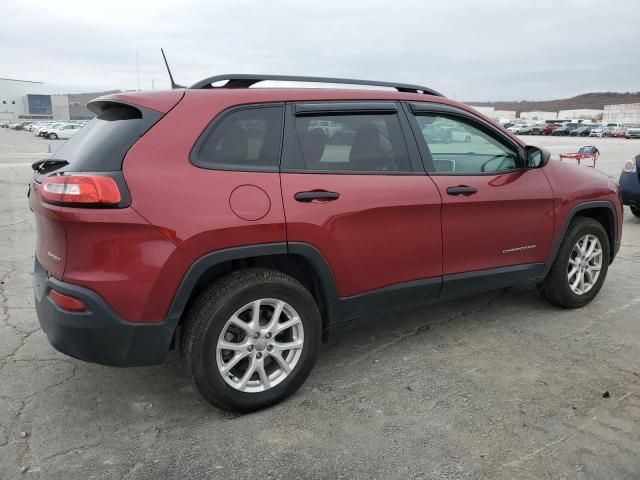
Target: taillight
point(80, 190)
point(630, 166)
point(67, 302)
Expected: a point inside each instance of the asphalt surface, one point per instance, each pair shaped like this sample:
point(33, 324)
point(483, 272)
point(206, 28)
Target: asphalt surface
point(499, 386)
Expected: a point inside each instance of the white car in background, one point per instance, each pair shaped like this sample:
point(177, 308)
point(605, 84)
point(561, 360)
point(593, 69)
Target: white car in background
point(63, 131)
point(38, 130)
point(518, 128)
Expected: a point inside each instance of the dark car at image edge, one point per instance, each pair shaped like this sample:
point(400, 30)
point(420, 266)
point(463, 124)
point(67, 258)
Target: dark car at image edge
point(244, 226)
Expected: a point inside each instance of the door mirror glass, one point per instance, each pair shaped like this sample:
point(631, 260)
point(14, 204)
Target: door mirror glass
point(536, 157)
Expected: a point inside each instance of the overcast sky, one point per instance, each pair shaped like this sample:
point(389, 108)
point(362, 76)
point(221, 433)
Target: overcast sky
point(467, 49)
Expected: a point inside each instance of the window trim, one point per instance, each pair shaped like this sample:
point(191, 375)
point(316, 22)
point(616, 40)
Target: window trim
point(342, 107)
point(413, 109)
point(219, 118)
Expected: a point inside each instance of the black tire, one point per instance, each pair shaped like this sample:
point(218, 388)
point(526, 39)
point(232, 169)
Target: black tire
point(53, 136)
point(635, 211)
point(209, 314)
point(555, 287)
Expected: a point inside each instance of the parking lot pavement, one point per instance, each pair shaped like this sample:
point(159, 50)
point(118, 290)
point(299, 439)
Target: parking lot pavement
point(500, 386)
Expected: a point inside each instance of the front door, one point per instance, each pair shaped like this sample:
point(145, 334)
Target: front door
point(495, 212)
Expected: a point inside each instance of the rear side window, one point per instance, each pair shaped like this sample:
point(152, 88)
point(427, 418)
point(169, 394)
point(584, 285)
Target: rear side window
point(101, 145)
point(244, 139)
point(351, 143)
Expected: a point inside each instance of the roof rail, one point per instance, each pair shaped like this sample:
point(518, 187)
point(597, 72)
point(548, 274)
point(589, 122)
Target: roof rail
point(247, 80)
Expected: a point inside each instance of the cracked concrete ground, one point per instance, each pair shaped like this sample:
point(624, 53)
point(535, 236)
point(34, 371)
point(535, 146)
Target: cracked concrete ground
point(500, 386)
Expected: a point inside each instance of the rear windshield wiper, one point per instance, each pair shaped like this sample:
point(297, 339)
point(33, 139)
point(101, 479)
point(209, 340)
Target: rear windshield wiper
point(42, 164)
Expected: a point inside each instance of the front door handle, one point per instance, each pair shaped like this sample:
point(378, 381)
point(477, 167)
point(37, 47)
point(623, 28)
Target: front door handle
point(462, 190)
point(319, 195)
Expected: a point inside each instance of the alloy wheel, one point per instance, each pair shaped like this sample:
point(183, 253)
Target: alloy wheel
point(585, 263)
point(260, 345)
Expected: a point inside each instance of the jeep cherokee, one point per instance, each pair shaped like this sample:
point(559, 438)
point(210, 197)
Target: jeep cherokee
point(243, 225)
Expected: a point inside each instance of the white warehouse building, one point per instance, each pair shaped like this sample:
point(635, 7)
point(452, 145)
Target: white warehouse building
point(579, 114)
point(23, 98)
point(537, 115)
point(624, 113)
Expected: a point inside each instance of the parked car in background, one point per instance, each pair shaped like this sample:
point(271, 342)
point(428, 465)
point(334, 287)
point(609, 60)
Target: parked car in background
point(525, 130)
point(630, 184)
point(543, 129)
point(286, 241)
point(565, 129)
point(633, 132)
point(618, 132)
point(44, 131)
point(63, 132)
point(36, 130)
point(582, 130)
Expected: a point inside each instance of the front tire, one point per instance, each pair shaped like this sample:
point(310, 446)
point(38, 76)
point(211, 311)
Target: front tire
point(53, 136)
point(580, 267)
point(635, 211)
point(251, 339)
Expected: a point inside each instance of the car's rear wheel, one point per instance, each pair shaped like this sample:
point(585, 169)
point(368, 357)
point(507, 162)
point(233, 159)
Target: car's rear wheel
point(251, 339)
point(635, 211)
point(580, 267)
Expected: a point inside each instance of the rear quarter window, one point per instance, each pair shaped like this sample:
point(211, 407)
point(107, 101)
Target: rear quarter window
point(247, 138)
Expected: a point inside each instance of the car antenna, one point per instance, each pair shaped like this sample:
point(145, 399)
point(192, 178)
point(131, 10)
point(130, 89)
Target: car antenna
point(173, 84)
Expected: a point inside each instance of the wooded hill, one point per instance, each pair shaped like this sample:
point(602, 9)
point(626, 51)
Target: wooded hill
point(596, 100)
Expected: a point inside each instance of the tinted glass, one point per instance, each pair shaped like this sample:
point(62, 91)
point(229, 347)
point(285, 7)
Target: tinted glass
point(458, 147)
point(102, 144)
point(244, 139)
point(354, 143)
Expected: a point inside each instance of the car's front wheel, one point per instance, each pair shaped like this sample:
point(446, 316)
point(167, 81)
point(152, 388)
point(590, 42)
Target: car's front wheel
point(53, 136)
point(251, 339)
point(580, 267)
point(635, 211)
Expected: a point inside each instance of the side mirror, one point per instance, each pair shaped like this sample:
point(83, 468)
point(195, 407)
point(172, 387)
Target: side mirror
point(536, 157)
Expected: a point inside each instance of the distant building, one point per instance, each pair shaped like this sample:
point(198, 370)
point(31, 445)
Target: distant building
point(539, 115)
point(494, 114)
point(624, 113)
point(579, 114)
point(23, 99)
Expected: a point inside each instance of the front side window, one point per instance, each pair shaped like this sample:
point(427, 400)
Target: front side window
point(249, 138)
point(351, 143)
point(459, 147)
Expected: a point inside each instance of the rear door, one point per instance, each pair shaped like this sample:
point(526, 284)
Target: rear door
point(495, 213)
point(354, 189)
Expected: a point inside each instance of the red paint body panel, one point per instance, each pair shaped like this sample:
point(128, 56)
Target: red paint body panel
point(574, 184)
point(384, 229)
point(509, 211)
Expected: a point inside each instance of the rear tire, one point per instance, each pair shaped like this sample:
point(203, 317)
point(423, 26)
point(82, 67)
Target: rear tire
point(260, 378)
point(557, 286)
point(635, 211)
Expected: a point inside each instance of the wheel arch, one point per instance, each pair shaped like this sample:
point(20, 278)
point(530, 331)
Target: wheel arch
point(603, 212)
point(298, 260)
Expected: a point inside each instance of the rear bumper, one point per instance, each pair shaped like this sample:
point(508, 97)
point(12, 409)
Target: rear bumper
point(630, 187)
point(97, 335)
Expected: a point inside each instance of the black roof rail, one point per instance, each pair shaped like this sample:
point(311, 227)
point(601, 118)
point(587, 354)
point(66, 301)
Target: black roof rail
point(247, 80)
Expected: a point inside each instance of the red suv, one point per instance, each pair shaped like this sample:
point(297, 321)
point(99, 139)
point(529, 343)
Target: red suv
point(243, 225)
point(544, 129)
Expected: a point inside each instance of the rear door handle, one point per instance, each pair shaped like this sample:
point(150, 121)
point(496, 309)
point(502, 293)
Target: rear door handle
point(320, 195)
point(462, 190)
